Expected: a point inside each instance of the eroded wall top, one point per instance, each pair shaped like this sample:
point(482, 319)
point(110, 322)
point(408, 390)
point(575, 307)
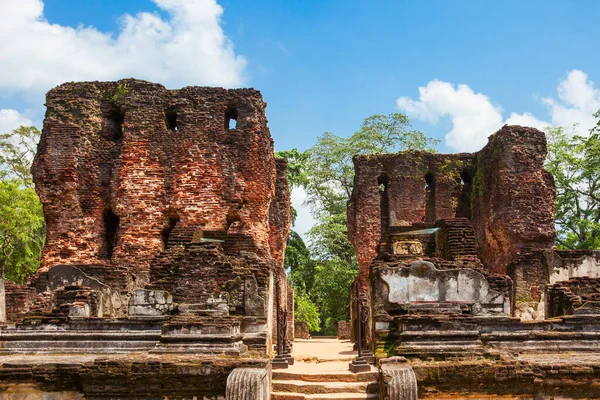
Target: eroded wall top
point(396, 191)
point(503, 190)
point(122, 164)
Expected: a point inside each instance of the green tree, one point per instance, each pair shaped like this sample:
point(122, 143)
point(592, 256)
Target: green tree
point(329, 170)
point(17, 150)
point(22, 230)
point(331, 291)
point(299, 264)
point(305, 310)
point(574, 161)
point(296, 173)
point(326, 172)
point(22, 227)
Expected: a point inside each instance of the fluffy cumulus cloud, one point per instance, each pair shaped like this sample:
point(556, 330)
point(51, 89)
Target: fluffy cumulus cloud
point(474, 117)
point(577, 101)
point(188, 47)
point(11, 119)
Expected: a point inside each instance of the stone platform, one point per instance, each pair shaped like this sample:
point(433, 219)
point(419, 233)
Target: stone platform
point(140, 375)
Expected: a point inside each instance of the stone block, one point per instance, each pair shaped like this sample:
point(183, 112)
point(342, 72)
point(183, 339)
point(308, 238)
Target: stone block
point(398, 380)
point(254, 304)
point(248, 384)
point(422, 282)
point(301, 330)
point(79, 310)
point(344, 330)
point(150, 303)
point(407, 247)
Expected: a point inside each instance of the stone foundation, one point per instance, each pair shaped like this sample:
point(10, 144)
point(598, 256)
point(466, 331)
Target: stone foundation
point(166, 227)
point(344, 330)
point(301, 330)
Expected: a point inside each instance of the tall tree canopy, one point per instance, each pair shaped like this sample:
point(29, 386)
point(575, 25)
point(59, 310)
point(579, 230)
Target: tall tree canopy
point(22, 228)
point(574, 161)
point(328, 266)
point(329, 170)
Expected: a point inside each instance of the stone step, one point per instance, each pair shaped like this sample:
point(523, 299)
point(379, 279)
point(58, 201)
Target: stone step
point(342, 376)
point(327, 396)
point(455, 344)
point(438, 335)
point(97, 346)
point(303, 387)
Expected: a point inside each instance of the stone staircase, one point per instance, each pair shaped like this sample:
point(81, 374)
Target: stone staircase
point(323, 380)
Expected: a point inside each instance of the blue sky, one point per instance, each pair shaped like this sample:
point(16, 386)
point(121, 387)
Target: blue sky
point(459, 69)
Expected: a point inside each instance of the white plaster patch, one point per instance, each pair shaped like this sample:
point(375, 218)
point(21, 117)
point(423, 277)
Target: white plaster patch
point(587, 266)
point(422, 282)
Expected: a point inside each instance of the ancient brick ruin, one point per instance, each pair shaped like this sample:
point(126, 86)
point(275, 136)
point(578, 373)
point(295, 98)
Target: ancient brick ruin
point(167, 218)
point(162, 274)
point(456, 253)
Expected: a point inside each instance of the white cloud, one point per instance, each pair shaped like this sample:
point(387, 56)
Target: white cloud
point(474, 117)
point(471, 113)
point(304, 220)
point(577, 101)
point(11, 119)
point(187, 48)
point(526, 119)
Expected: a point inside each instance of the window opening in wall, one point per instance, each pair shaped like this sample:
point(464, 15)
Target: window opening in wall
point(111, 226)
point(429, 198)
point(429, 181)
point(231, 116)
point(166, 232)
point(384, 202)
point(463, 210)
point(115, 124)
point(465, 176)
point(171, 119)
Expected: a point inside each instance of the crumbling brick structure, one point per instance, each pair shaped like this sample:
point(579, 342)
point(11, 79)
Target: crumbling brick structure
point(503, 190)
point(502, 195)
point(167, 219)
point(121, 164)
point(455, 250)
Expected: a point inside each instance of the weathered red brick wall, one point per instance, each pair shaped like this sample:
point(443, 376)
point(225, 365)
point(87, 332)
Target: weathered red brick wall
point(567, 296)
point(280, 213)
point(403, 189)
point(513, 197)
point(18, 300)
point(202, 273)
point(141, 158)
point(503, 190)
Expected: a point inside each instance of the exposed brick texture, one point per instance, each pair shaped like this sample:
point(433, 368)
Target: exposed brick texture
point(456, 239)
point(502, 195)
point(120, 163)
point(513, 196)
point(201, 273)
point(280, 213)
point(567, 297)
point(399, 190)
point(18, 300)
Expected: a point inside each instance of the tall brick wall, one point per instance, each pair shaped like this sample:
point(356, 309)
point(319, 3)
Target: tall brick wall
point(120, 164)
point(513, 205)
point(503, 190)
point(393, 190)
point(280, 220)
